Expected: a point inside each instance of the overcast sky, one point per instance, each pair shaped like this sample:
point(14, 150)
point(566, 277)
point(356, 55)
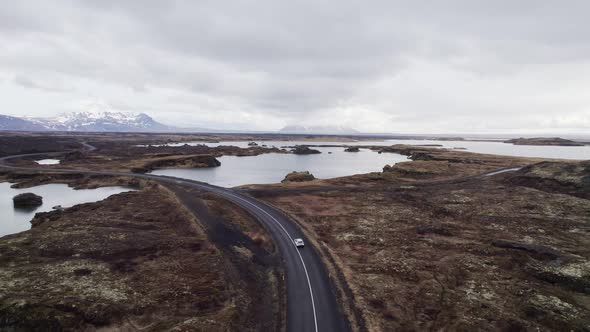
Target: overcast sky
point(376, 66)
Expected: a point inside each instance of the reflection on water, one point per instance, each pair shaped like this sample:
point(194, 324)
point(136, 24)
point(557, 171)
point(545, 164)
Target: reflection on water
point(272, 167)
point(17, 220)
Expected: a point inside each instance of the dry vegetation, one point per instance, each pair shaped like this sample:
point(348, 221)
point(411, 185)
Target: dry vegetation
point(137, 260)
point(423, 245)
point(425, 248)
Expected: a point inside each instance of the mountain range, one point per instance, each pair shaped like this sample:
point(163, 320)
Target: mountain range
point(107, 121)
point(86, 121)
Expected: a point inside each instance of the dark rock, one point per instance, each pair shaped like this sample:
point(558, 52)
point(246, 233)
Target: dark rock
point(252, 144)
point(27, 200)
point(352, 149)
point(303, 149)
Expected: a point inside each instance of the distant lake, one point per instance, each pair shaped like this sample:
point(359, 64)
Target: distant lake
point(505, 149)
point(47, 161)
point(499, 148)
point(17, 220)
point(272, 167)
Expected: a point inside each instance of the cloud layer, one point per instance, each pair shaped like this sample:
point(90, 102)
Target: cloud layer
point(378, 66)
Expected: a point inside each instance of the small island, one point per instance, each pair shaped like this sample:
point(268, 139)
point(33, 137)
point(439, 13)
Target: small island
point(303, 149)
point(556, 141)
point(298, 177)
point(352, 149)
point(27, 200)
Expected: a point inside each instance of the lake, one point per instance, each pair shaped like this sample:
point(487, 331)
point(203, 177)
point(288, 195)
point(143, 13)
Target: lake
point(17, 220)
point(499, 148)
point(47, 161)
point(272, 167)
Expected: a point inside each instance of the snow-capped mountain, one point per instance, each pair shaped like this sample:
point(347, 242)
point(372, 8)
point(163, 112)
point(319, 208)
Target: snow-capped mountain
point(18, 124)
point(322, 130)
point(99, 121)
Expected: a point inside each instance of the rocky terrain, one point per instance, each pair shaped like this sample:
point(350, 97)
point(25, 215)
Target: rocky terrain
point(121, 152)
point(438, 243)
point(16, 144)
point(431, 245)
point(183, 161)
point(544, 141)
point(139, 261)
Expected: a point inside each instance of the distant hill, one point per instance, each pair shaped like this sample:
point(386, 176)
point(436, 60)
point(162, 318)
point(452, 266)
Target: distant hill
point(101, 121)
point(18, 124)
point(321, 130)
point(87, 121)
point(544, 141)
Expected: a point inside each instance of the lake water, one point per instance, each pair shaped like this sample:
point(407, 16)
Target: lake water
point(17, 220)
point(47, 161)
point(272, 167)
point(505, 149)
point(499, 148)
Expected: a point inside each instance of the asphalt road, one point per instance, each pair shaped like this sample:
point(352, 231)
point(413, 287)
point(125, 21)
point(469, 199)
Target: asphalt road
point(311, 299)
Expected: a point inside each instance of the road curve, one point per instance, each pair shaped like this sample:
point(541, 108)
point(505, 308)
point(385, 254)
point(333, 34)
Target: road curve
point(311, 299)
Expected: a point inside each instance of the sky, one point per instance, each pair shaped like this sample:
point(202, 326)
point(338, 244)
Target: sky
point(376, 66)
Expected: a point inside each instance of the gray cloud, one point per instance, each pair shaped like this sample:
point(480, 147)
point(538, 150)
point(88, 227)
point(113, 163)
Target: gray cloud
point(26, 82)
point(378, 66)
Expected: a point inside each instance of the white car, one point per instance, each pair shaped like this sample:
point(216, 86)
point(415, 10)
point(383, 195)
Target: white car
point(298, 242)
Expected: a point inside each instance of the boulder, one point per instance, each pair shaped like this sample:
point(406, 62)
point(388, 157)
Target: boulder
point(298, 177)
point(27, 200)
point(252, 144)
point(303, 149)
point(352, 149)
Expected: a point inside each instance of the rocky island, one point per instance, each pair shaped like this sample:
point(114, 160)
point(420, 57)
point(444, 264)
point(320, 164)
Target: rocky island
point(298, 177)
point(352, 149)
point(544, 141)
point(27, 200)
point(304, 149)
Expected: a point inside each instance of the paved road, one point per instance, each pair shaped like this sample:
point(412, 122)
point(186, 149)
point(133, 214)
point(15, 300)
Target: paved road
point(311, 301)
